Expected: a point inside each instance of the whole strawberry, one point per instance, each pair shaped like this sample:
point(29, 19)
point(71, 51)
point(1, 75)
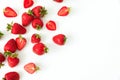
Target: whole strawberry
point(59, 39)
point(27, 18)
point(59, 1)
point(40, 49)
point(37, 24)
point(39, 11)
point(10, 46)
point(2, 59)
point(35, 38)
point(16, 28)
point(64, 11)
point(12, 76)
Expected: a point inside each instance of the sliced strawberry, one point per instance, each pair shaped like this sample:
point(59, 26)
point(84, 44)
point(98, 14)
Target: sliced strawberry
point(37, 24)
point(35, 38)
point(64, 11)
point(21, 42)
point(31, 68)
point(9, 12)
point(51, 25)
point(28, 3)
point(59, 1)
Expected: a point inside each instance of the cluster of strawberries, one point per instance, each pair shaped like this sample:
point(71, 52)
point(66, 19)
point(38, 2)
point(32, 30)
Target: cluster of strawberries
point(31, 17)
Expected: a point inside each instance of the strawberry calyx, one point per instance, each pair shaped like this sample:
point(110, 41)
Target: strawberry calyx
point(37, 68)
point(38, 27)
point(37, 35)
point(1, 64)
point(46, 49)
point(65, 39)
point(7, 53)
point(14, 55)
point(9, 26)
point(1, 34)
point(30, 12)
point(43, 12)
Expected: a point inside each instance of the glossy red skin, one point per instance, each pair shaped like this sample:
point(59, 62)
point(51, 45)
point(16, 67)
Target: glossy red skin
point(12, 76)
point(10, 46)
point(37, 22)
point(30, 68)
point(9, 12)
point(35, 39)
point(36, 11)
point(2, 58)
point(64, 11)
point(59, 1)
point(51, 25)
point(28, 3)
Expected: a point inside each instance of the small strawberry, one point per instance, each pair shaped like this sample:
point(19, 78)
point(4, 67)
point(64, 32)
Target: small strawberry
point(1, 34)
point(40, 49)
point(13, 60)
point(10, 46)
point(9, 12)
point(21, 42)
point(12, 76)
point(27, 18)
point(37, 24)
point(59, 1)
point(64, 11)
point(16, 28)
point(31, 68)
point(59, 39)
point(28, 3)
point(35, 38)
point(2, 59)
point(39, 11)
point(51, 25)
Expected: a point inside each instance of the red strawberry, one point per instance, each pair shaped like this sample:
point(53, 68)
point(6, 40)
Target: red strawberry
point(12, 76)
point(1, 34)
point(28, 3)
point(13, 60)
point(64, 11)
point(9, 12)
point(37, 24)
point(10, 46)
point(59, 39)
point(40, 49)
point(27, 18)
point(31, 68)
point(51, 25)
point(39, 11)
point(16, 28)
point(58, 1)
point(21, 42)
point(35, 38)
point(2, 59)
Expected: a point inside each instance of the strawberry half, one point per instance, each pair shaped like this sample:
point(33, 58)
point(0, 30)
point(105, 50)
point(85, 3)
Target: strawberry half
point(37, 24)
point(64, 11)
point(59, 1)
point(31, 68)
point(21, 42)
point(9, 12)
point(28, 3)
point(12, 76)
point(51, 25)
point(16, 28)
point(59, 39)
point(35, 38)
point(39, 11)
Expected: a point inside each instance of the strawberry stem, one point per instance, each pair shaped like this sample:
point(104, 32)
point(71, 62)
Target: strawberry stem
point(37, 68)
point(46, 49)
point(9, 26)
point(1, 34)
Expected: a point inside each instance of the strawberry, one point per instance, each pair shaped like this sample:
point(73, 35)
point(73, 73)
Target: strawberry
point(37, 24)
point(39, 11)
point(51, 25)
point(35, 38)
point(10, 46)
point(16, 28)
point(40, 49)
point(31, 68)
point(12, 76)
point(59, 1)
point(13, 60)
point(64, 11)
point(9, 12)
point(2, 59)
point(1, 34)
point(27, 18)
point(21, 42)
point(28, 3)
point(59, 39)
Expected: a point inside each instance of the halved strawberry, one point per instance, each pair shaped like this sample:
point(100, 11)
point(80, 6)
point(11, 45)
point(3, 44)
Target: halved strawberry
point(31, 68)
point(9, 12)
point(37, 24)
point(51, 25)
point(28, 3)
point(64, 11)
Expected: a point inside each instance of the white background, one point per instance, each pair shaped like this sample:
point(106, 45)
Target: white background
point(92, 50)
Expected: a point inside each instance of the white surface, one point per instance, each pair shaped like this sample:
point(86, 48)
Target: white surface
point(92, 50)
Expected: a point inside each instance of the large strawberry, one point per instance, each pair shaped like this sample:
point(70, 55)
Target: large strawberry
point(27, 18)
point(59, 1)
point(21, 42)
point(39, 11)
point(35, 38)
point(51, 25)
point(28, 3)
point(40, 49)
point(16, 28)
point(31, 68)
point(12, 76)
point(59, 39)
point(37, 24)
point(64, 11)
point(9, 12)
point(2, 59)
point(10, 46)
